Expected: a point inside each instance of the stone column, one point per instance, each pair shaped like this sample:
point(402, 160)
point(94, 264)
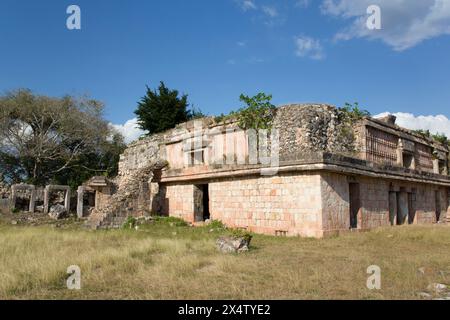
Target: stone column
point(46, 199)
point(403, 208)
point(436, 166)
point(67, 200)
point(80, 207)
point(13, 197)
point(32, 200)
point(392, 207)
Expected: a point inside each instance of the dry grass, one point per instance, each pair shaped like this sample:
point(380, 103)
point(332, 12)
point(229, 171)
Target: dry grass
point(163, 262)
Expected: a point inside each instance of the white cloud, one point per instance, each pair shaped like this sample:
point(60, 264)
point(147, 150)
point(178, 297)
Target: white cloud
point(405, 23)
point(270, 11)
point(247, 4)
point(267, 14)
point(241, 43)
point(130, 130)
point(436, 124)
point(308, 47)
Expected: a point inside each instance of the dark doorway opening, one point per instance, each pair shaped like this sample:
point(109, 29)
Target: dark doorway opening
point(408, 160)
point(355, 204)
point(411, 207)
point(392, 207)
point(201, 202)
point(22, 204)
point(402, 207)
point(206, 214)
point(438, 205)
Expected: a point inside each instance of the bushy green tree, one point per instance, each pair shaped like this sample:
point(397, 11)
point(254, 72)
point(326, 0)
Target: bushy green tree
point(258, 112)
point(163, 109)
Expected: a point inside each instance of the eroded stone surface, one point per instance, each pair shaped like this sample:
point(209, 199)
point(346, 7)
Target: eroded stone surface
point(232, 244)
point(58, 212)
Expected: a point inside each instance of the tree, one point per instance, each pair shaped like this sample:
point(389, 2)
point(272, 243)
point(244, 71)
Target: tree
point(163, 109)
point(258, 113)
point(61, 140)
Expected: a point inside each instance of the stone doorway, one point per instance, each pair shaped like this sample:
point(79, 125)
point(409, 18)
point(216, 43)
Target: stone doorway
point(355, 204)
point(437, 197)
point(201, 202)
point(402, 207)
point(412, 207)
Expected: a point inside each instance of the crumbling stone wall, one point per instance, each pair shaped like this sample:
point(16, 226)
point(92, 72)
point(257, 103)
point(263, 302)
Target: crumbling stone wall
point(139, 155)
point(302, 128)
point(312, 127)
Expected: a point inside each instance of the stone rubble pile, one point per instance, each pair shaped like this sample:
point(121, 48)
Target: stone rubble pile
point(58, 212)
point(120, 205)
point(230, 244)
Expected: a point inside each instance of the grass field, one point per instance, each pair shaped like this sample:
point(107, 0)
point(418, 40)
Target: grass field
point(160, 261)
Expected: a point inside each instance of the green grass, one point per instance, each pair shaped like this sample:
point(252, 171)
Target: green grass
point(166, 261)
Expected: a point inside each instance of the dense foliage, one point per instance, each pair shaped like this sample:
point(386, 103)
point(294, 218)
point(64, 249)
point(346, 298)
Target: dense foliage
point(58, 140)
point(439, 137)
point(162, 109)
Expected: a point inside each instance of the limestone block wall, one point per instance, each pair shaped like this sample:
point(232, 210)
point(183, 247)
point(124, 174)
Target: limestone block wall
point(374, 201)
point(286, 203)
point(426, 205)
point(178, 201)
point(311, 204)
point(335, 206)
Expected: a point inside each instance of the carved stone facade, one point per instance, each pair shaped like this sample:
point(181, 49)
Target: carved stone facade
point(312, 175)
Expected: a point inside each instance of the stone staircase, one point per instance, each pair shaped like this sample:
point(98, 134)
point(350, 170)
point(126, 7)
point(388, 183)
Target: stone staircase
point(123, 203)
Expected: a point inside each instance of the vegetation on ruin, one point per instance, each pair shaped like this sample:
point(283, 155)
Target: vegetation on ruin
point(162, 261)
point(351, 113)
point(55, 140)
point(129, 223)
point(438, 137)
point(258, 112)
point(171, 221)
point(162, 109)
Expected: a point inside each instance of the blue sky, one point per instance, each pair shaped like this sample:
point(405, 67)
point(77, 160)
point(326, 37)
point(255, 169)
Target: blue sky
point(214, 50)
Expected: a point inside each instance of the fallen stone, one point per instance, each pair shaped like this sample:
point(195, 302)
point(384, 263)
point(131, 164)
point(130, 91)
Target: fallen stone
point(232, 244)
point(437, 287)
point(13, 222)
point(57, 212)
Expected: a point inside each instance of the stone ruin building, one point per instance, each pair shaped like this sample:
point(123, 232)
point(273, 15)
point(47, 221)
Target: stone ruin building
point(315, 174)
